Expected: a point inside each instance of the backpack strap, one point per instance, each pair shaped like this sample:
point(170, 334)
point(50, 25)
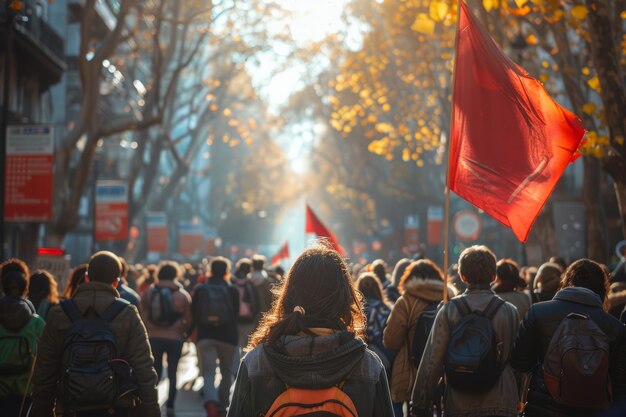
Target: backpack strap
point(114, 309)
point(462, 305)
point(493, 307)
point(71, 310)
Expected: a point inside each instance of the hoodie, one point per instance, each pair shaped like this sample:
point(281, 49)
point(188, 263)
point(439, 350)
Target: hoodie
point(312, 362)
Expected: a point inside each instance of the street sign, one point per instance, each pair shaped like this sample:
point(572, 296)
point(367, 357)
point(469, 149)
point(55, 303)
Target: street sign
point(157, 232)
point(56, 262)
point(111, 211)
point(434, 217)
point(412, 233)
point(467, 225)
point(29, 173)
point(190, 239)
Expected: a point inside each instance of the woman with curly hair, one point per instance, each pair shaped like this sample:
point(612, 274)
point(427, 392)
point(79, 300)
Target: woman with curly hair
point(310, 344)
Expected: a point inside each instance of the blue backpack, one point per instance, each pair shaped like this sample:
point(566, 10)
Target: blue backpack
point(472, 361)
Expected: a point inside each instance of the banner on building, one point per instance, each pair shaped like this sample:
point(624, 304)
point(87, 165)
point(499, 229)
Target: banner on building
point(28, 173)
point(211, 241)
point(412, 233)
point(190, 239)
point(111, 211)
point(434, 217)
point(157, 232)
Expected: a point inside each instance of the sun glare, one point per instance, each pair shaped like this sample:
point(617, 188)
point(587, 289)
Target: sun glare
point(311, 20)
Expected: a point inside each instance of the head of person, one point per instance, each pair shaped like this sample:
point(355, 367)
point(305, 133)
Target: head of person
point(477, 265)
point(14, 274)
point(258, 262)
point(168, 271)
point(559, 260)
point(42, 285)
point(399, 270)
point(243, 268)
point(219, 268)
point(317, 292)
point(507, 271)
point(548, 278)
point(104, 267)
point(421, 270)
point(125, 268)
point(379, 269)
point(588, 274)
point(150, 273)
point(370, 287)
point(77, 277)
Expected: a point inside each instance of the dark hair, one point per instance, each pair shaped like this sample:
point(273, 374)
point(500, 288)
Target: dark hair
point(318, 282)
point(168, 271)
point(422, 269)
point(220, 267)
point(125, 267)
point(549, 277)
point(104, 266)
point(370, 287)
point(587, 274)
point(477, 264)
point(257, 262)
point(507, 270)
point(559, 260)
point(42, 285)
point(379, 269)
point(12, 284)
point(77, 277)
point(243, 268)
point(399, 270)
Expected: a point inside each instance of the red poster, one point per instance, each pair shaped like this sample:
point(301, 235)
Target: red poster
point(157, 232)
point(190, 239)
point(29, 163)
point(111, 211)
point(435, 225)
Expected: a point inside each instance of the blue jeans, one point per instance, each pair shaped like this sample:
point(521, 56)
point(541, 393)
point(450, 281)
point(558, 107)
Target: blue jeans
point(211, 351)
point(173, 349)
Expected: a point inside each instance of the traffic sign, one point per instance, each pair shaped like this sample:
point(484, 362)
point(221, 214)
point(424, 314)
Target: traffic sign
point(467, 225)
point(111, 211)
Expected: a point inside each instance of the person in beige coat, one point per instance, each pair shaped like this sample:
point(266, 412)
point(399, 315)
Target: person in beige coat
point(421, 285)
point(167, 334)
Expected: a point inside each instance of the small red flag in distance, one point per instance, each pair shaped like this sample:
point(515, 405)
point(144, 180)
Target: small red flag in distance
point(510, 141)
point(314, 225)
point(283, 253)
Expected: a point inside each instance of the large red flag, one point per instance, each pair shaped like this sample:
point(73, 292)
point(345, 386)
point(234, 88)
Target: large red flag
point(510, 141)
point(314, 225)
point(283, 253)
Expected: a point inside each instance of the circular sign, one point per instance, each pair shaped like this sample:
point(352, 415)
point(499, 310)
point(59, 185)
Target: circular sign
point(467, 225)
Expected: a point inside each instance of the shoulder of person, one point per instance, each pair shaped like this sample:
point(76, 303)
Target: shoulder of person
point(256, 362)
point(369, 368)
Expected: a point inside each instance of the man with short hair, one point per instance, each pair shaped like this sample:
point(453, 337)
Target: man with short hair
point(18, 322)
point(96, 295)
point(477, 268)
point(263, 284)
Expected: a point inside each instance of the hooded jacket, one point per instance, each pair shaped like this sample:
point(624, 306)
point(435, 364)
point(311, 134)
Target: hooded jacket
point(398, 335)
point(18, 318)
point(181, 304)
point(312, 362)
point(535, 334)
point(132, 346)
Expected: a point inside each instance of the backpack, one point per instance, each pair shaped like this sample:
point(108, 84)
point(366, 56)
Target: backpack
point(423, 325)
point(16, 355)
point(215, 307)
point(312, 402)
point(576, 364)
point(248, 307)
point(376, 322)
point(161, 310)
point(472, 360)
point(89, 382)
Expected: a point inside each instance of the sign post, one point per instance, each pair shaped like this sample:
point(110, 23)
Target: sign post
point(111, 211)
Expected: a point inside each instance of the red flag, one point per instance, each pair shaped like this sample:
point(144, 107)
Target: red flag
point(283, 253)
point(314, 225)
point(510, 140)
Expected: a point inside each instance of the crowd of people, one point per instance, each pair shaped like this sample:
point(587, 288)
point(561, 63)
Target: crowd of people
point(327, 338)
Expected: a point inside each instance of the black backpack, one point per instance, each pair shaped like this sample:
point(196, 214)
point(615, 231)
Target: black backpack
point(161, 311)
point(215, 307)
point(423, 325)
point(89, 379)
point(377, 316)
point(472, 361)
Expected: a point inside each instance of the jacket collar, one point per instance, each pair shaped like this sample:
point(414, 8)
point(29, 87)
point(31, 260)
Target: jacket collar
point(479, 287)
point(426, 289)
point(579, 295)
point(96, 287)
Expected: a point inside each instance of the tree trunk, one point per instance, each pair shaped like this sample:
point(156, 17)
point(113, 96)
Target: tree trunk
point(620, 193)
point(592, 197)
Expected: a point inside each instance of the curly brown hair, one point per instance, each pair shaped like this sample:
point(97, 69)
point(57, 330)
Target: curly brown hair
point(371, 288)
point(423, 269)
point(320, 283)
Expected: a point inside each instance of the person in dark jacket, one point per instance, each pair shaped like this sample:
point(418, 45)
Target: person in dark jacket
point(584, 290)
point(217, 342)
point(312, 339)
point(393, 290)
point(546, 282)
point(43, 292)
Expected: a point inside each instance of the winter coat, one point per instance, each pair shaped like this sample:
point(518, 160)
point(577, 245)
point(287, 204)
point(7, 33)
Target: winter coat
point(520, 299)
point(132, 346)
point(398, 335)
point(312, 362)
point(228, 332)
point(502, 399)
point(18, 318)
point(181, 304)
point(535, 334)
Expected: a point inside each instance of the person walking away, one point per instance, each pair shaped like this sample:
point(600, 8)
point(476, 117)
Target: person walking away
point(20, 328)
point(309, 349)
point(77, 277)
point(379, 268)
point(507, 286)
point(546, 282)
point(166, 309)
point(263, 284)
point(421, 287)
point(124, 289)
point(94, 358)
point(215, 308)
point(393, 291)
point(43, 292)
point(574, 350)
point(248, 300)
point(471, 343)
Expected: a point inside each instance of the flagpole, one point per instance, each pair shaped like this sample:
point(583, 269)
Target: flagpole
point(446, 232)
